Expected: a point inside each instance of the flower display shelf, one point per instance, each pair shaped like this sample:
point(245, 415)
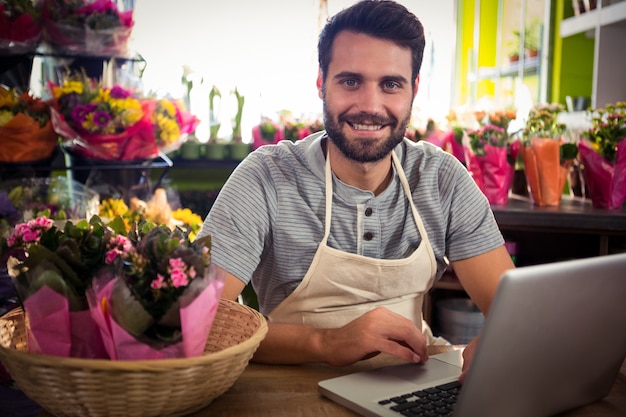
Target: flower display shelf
point(124, 173)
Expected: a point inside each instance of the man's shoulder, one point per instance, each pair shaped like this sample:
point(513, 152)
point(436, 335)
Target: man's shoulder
point(424, 154)
point(304, 154)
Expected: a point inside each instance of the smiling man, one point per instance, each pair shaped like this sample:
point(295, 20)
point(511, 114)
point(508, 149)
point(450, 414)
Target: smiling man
point(342, 233)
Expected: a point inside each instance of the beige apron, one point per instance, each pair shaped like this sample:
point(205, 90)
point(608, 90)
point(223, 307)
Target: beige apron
point(341, 286)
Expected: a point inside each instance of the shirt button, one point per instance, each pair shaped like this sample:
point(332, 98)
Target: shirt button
point(368, 211)
point(368, 236)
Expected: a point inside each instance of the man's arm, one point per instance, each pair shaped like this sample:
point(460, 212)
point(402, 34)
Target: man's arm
point(480, 276)
point(377, 331)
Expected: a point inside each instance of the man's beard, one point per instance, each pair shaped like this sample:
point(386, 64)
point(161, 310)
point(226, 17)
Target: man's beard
point(364, 149)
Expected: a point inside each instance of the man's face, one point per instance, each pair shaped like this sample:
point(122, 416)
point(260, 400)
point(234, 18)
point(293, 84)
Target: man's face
point(367, 95)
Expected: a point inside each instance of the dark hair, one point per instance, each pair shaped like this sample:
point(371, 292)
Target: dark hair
point(383, 19)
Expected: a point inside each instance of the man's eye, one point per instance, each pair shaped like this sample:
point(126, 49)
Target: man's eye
point(391, 85)
point(350, 83)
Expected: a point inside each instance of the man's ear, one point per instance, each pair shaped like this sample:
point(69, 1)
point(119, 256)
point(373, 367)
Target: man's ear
point(319, 82)
point(417, 83)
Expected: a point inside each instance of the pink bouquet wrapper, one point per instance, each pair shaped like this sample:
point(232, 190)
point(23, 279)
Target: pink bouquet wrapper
point(455, 148)
point(196, 321)
point(258, 140)
point(54, 330)
point(606, 181)
point(492, 173)
point(136, 143)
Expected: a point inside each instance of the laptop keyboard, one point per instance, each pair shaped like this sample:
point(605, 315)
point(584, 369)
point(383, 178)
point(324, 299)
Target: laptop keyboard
point(432, 402)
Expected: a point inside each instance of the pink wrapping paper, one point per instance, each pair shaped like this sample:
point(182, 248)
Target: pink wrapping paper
point(196, 321)
point(258, 140)
point(455, 148)
point(54, 330)
point(606, 181)
point(136, 143)
point(492, 173)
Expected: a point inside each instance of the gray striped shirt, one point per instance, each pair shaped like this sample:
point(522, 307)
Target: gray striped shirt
point(268, 219)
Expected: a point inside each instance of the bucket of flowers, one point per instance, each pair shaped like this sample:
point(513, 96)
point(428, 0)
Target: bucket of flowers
point(88, 27)
point(546, 155)
point(602, 150)
point(26, 133)
point(492, 156)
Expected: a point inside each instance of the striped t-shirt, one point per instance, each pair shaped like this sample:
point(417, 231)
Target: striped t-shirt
point(268, 219)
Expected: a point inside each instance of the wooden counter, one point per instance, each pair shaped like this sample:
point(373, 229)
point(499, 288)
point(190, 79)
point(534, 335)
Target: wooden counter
point(288, 391)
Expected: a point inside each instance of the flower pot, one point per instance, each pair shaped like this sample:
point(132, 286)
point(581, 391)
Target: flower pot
point(216, 151)
point(238, 151)
point(191, 150)
point(545, 175)
point(606, 181)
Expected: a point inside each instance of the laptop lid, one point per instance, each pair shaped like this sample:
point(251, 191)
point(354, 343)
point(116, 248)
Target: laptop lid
point(554, 340)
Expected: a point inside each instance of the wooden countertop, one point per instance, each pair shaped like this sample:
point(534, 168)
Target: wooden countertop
point(291, 391)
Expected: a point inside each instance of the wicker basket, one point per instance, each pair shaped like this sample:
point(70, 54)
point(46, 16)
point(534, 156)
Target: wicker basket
point(167, 387)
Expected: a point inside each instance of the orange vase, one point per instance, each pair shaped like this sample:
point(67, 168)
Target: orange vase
point(545, 175)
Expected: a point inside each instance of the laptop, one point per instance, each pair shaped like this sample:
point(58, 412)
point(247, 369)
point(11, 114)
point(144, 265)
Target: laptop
point(554, 340)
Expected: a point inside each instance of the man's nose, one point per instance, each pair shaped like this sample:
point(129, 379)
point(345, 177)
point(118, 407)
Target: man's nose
point(370, 99)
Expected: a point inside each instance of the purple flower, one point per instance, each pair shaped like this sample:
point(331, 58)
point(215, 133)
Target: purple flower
point(80, 113)
point(101, 118)
point(119, 92)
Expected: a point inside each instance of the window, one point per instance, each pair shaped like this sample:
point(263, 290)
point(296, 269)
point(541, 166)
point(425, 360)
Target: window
point(267, 49)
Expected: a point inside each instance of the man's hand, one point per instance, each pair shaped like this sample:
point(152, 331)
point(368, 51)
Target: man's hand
point(468, 354)
point(379, 330)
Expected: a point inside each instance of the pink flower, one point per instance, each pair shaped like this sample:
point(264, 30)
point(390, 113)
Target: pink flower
point(158, 282)
point(179, 278)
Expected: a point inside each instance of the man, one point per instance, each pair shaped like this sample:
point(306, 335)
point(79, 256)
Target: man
point(343, 233)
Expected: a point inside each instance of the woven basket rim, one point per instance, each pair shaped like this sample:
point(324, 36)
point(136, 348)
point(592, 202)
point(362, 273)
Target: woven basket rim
point(152, 364)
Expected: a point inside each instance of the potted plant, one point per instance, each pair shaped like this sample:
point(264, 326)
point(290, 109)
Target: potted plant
point(215, 149)
point(603, 153)
point(492, 155)
point(239, 149)
point(546, 156)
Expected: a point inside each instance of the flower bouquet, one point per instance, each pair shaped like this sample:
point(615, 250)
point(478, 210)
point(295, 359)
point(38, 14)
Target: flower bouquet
point(171, 123)
point(546, 157)
point(20, 28)
point(94, 27)
point(51, 268)
point(491, 161)
point(603, 154)
point(160, 297)
point(26, 132)
point(104, 123)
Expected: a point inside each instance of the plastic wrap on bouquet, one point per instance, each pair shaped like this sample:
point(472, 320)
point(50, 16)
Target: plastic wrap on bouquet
point(492, 173)
point(20, 34)
point(545, 175)
point(77, 30)
point(606, 181)
point(24, 140)
point(135, 143)
point(455, 147)
point(259, 138)
point(57, 331)
point(194, 313)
